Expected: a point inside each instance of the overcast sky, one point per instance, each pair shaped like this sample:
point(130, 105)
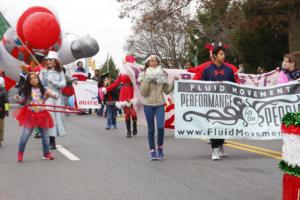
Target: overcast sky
point(100, 20)
point(97, 18)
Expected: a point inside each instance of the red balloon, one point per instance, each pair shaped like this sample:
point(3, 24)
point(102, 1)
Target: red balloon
point(41, 30)
point(25, 14)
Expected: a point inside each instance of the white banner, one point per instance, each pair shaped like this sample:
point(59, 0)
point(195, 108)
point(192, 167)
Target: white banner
point(133, 70)
point(227, 110)
point(260, 80)
point(86, 93)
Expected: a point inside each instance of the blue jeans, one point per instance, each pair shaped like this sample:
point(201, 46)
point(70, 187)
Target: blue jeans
point(101, 110)
point(26, 133)
point(157, 112)
point(111, 115)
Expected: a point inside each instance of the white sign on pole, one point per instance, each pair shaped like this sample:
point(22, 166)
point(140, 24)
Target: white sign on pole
point(86, 93)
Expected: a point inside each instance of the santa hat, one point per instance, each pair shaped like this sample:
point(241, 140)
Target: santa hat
point(130, 59)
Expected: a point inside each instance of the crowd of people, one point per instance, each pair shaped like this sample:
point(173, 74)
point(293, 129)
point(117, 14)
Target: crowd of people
point(44, 87)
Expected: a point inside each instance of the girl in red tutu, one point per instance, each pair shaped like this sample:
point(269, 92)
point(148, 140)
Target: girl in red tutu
point(31, 116)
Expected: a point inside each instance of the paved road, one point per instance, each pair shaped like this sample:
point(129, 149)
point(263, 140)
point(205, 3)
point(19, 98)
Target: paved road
point(112, 167)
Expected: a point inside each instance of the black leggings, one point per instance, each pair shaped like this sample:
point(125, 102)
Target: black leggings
point(215, 143)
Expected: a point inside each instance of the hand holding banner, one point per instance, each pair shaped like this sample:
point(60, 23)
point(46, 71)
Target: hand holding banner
point(231, 111)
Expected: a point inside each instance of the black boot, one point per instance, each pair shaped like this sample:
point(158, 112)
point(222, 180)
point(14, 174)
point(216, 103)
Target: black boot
point(134, 126)
point(128, 126)
point(52, 142)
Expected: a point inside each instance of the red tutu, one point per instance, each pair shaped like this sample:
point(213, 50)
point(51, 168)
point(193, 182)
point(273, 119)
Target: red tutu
point(30, 119)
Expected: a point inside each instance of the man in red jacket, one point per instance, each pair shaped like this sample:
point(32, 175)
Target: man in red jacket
point(199, 69)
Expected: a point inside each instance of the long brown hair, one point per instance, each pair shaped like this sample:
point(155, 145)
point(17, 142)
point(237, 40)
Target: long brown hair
point(27, 88)
point(57, 67)
point(294, 57)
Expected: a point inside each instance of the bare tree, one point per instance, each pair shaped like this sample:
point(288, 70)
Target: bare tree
point(135, 8)
point(286, 12)
point(167, 39)
point(160, 27)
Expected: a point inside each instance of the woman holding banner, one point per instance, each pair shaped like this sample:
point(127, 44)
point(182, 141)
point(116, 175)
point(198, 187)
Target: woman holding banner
point(218, 71)
point(53, 78)
point(154, 84)
point(290, 163)
point(290, 68)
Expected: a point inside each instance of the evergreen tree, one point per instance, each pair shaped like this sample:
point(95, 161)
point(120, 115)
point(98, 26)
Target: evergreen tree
point(110, 67)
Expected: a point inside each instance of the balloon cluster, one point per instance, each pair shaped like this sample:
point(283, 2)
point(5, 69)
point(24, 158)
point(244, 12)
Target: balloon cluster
point(35, 30)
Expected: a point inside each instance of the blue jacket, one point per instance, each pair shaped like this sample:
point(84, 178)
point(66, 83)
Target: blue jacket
point(215, 73)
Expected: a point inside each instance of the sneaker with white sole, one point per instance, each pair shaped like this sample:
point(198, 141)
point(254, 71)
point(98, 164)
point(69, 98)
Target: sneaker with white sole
point(222, 152)
point(153, 155)
point(48, 156)
point(160, 154)
point(215, 154)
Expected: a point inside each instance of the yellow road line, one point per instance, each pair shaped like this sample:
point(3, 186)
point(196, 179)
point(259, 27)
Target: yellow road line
point(249, 148)
point(121, 118)
point(254, 151)
point(254, 147)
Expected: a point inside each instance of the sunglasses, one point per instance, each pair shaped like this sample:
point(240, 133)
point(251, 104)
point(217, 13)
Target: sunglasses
point(49, 59)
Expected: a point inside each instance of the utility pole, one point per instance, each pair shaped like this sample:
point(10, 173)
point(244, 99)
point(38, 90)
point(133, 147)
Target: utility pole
point(107, 63)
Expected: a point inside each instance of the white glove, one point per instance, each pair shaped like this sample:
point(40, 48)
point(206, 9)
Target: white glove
point(119, 105)
point(104, 90)
point(134, 102)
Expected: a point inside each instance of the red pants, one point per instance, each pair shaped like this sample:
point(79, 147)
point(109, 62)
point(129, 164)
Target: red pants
point(291, 187)
point(130, 113)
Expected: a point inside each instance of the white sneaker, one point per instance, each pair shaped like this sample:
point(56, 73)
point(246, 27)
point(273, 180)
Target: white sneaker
point(222, 152)
point(215, 154)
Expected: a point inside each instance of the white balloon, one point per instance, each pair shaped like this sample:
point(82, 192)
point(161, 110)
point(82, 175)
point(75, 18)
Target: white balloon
point(65, 53)
point(10, 65)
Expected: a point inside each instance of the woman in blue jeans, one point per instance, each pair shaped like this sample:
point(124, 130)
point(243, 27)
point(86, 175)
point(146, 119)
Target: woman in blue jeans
point(154, 84)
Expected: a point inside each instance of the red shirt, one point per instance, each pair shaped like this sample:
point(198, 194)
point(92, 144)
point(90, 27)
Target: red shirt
point(200, 69)
point(80, 76)
point(126, 91)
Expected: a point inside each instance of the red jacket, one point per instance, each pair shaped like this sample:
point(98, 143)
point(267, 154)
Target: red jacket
point(126, 90)
point(200, 69)
point(80, 76)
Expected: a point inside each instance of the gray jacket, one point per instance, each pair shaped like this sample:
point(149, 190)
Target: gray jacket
point(153, 92)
